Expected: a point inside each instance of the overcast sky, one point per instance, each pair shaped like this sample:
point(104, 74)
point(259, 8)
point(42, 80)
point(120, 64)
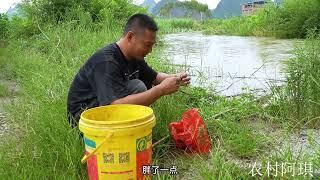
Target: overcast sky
point(5, 4)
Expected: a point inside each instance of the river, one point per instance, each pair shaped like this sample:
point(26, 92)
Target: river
point(229, 65)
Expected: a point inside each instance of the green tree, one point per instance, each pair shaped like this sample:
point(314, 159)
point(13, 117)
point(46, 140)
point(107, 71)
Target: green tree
point(4, 26)
point(191, 6)
point(61, 10)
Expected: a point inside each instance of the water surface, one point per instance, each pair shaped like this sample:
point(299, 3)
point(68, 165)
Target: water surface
point(229, 65)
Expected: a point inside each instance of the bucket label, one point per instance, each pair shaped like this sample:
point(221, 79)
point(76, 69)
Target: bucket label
point(92, 164)
point(144, 154)
point(124, 157)
point(108, 158)
point(142, 142)
point(89, 142)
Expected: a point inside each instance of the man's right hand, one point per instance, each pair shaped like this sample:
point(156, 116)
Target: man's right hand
point(170, 85)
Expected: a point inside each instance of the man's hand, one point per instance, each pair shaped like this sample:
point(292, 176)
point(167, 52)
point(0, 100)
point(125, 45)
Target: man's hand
point(184, 78)
point(170, 85)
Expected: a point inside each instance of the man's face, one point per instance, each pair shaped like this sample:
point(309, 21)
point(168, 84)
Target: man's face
point(142, 44)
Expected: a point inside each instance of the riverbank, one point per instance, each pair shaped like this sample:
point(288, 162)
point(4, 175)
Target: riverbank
point(238, 126)
point(257, 133)
point(8, 93)
point(289, 20)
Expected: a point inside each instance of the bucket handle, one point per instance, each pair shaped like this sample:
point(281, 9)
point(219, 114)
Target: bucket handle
point(86, 157)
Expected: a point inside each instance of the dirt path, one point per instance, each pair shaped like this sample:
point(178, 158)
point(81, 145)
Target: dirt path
point(4, 101)
point(302, 142)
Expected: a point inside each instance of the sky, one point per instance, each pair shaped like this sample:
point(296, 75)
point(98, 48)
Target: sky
point(5, 4)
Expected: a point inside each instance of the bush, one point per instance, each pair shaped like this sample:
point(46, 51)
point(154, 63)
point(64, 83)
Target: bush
point(292, 19)
point(299, 16)
point(4, 27)
point(98, 10)
point(90, 15)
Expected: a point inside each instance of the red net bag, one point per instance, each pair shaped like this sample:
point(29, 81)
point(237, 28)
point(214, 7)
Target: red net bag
point(191, 133)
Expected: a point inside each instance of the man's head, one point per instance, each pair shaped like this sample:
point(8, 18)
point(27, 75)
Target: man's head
point(140, 35)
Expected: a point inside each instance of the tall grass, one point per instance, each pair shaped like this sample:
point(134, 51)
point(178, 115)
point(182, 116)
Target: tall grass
point(303, 86)
point(4, 91)
point(297, 103)
point(177, 25)
point(44, 65)
point(44, 69)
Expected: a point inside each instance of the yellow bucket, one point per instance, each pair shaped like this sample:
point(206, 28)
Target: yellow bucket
point(118, 141)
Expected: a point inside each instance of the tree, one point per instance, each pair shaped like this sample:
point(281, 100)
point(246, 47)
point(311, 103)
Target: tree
point(4, 26)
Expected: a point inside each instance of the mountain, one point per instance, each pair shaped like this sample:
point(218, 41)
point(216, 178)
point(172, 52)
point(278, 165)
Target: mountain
point(161, 4)
point(149, 4)
point(228, 8)
point(14, 11)
point(186, 9)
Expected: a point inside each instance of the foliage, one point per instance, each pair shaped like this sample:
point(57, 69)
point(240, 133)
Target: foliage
point(292, 19)
point(190, 6)
point(96, 10)
point(177, 25)
point(4, 26)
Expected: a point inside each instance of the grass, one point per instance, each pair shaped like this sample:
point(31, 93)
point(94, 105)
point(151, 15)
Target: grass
point(177, 25)
point(304, 81)
point(4, 91)
point(234, 131)
point(45, 64)
point(45, 69)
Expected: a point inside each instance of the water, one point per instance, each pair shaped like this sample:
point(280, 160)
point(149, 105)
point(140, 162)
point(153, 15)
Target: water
point(229, 65)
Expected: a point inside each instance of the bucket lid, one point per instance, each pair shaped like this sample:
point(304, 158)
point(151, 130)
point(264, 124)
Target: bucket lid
point(115, 115)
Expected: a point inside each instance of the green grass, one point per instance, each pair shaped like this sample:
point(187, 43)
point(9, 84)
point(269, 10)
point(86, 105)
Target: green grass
point(4, 91)
point(5, 72)
point(176, 25)
point(304, 81)
point(297, 102)
point(45, 70)
point(45, 146)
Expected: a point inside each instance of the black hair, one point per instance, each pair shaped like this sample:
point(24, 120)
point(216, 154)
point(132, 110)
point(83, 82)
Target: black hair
point(138, 22)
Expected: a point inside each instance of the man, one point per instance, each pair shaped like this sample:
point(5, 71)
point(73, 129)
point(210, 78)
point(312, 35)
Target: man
point(118, 74)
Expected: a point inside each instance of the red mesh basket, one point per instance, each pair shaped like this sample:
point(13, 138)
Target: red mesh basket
point(191, 133)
